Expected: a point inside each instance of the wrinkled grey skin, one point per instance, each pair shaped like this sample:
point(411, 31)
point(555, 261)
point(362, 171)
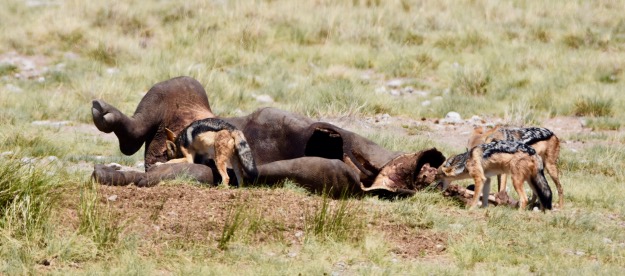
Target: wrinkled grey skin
point(316, 155)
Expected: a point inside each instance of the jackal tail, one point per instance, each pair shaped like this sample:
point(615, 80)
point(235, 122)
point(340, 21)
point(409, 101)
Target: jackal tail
point(541, 187)
point(244, 153)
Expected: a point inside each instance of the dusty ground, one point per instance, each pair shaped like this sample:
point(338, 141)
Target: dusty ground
point(171, 213)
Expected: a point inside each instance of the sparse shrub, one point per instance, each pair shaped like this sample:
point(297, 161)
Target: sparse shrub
point(471, 81)
point(405, 36)
point(105, 54)
point(541, 34)
point(8, 69)
point(604, 123)
point(232, 225)
point(588, 39)
point(595, 106)
point(337, 222)
point(32, 144)
point(618, 32)
point(608, 75)
point(96, 221)
point(27, 195)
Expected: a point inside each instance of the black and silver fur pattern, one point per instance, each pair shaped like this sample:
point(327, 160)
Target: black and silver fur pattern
point(459, 161)
point(529, 135)
point(186, 136)
point(505, 147)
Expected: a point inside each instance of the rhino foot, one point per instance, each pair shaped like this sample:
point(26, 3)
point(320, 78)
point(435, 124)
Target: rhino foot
point(104, 116)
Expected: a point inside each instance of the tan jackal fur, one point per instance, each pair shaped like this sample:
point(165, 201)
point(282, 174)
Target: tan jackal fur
point(546, 144)
point(486, 160)
point(214, 139)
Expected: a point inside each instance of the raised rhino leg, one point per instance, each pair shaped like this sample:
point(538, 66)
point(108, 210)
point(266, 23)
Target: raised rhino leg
point(130, 132)
point(172, 104)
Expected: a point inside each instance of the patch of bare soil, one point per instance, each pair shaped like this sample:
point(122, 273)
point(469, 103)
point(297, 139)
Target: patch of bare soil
point(186, 213)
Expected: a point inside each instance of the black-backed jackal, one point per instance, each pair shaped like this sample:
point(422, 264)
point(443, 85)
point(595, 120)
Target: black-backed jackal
point(486, 160)
point(215, 139)
point(546, 144)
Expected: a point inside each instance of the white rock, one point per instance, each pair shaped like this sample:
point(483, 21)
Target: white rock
point(452, 117)
point(112, 198)
point(264, 98)
point(13, 88)
point(426, 103)
point(112, 71)
point(421, 93)
point(395, 83)
point(476, 120)
point(50, 123)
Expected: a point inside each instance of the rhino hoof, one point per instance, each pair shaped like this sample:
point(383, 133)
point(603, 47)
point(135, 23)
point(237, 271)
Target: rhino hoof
point(101, 117)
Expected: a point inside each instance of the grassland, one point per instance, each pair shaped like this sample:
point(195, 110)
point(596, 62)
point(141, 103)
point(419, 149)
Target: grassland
point(521, 61)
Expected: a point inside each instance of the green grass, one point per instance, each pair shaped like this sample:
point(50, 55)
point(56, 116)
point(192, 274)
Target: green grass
point(520, 61)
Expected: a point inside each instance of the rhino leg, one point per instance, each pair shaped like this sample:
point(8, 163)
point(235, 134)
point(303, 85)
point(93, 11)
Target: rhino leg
point(110, 176)
point(130, 132)
point(314, 174)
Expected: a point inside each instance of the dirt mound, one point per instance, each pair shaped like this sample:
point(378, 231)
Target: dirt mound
point(188, 213)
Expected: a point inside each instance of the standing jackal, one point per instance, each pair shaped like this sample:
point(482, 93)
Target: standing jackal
point(546, 144)
point(510, 157)
point(215, 139)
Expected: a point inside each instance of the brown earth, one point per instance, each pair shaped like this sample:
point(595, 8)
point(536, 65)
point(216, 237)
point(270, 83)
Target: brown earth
point(194, 214)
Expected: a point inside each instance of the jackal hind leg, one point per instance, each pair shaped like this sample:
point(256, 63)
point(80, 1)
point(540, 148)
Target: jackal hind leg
point(552, 169)
point(238, 170)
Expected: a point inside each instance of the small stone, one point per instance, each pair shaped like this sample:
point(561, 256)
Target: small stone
point(421, 93)
point(426, 103)
point(112, 198)
point(476, 120)
point(395, 92)
point(264, 99)
point(50, 123)
point(112, 71)
point(13, 88)
point(52, 158)
point(452, 118)
point(395, 83)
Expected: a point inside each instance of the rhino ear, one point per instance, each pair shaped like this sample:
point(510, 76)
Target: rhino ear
point(171, 150)
point(171, 136)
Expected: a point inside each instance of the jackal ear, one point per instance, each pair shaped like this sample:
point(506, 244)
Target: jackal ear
point(171, 150)
point(478, 130)
point(171, 136)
